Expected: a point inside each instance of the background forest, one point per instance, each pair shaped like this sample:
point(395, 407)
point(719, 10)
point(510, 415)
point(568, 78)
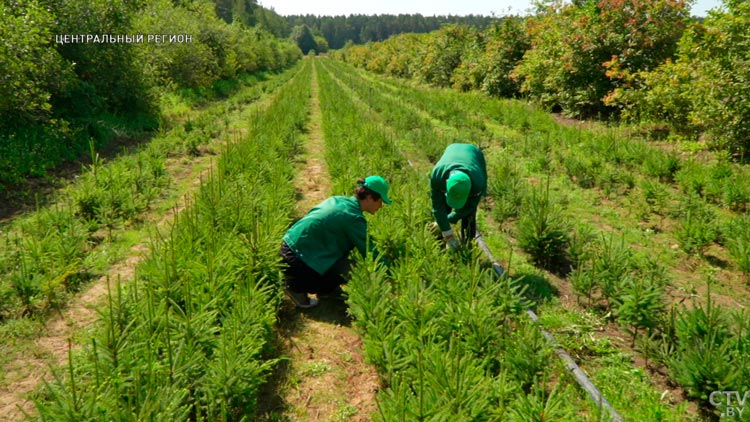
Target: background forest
point(58, 93)
point(645, 62)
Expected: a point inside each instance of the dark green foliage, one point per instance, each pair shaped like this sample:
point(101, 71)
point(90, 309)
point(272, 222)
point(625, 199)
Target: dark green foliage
point(33, 71)
point(303, 37)
point(703, 360)
point(119, 192)
point(194, 64)
point(611, 266)
point(737, 240)
point(31, 150)
point(443, 331)
point(703, 89)
point(661, 165)
point(48, 255)
point(361, 29)
point(507, 188)
point(31, 68)
point(719, 182)
point(541, 406)
point(507, 44)
point(527, 355)
point(583, 282)
point(694, 177)
point(242, 11)
point(76, 71)
point(639, 305)
point(720, 101)
point(42, 262)
point(607, 268)
point(189, 338)
point(108, 78)
point(691, 76)
point(583, 169)
point(698, 228)
point(542, 232)
point(272, 22)
point(650, 202)
point(736, 193)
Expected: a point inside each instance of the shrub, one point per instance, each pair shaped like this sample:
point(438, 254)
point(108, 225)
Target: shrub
point(32, 67)
point(692, 177)
point(505, 48)
point(507, 188)
point(661, 165)
point(702, 360)
point(443, 53)
point(639, 305)
point(582, 169)
point(539, 406)
point(191, 65)
point(542, 233)
point(737, 235)
point(697, 229)
point(109, 77)
point(577, 61)
point(703, 90)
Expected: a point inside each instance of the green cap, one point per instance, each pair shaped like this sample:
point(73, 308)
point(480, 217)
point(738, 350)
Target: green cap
point(458, 186)
point(379, 185)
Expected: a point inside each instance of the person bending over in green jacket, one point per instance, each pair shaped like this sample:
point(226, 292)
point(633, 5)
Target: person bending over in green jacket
point(316, 248)
point(457, 184)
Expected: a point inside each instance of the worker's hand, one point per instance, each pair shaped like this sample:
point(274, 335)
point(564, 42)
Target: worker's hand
point(434, 230)
point(450, 240)
point(451, 243)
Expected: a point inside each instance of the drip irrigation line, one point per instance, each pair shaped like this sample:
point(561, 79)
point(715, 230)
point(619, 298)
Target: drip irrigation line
point(580, 376)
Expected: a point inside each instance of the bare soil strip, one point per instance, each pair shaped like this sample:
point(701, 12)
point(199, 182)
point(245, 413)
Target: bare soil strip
point(326, 377)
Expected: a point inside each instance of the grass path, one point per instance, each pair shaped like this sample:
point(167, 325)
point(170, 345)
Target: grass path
point(325, 377)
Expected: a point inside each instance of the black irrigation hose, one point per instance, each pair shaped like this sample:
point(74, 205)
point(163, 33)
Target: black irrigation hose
point(570, 364)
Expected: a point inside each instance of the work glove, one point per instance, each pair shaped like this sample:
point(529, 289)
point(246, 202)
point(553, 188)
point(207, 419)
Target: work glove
point(450, 240)
point(452, 244)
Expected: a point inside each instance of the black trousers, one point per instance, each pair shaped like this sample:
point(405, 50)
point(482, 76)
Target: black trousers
point(469, 227)
point(303, 279)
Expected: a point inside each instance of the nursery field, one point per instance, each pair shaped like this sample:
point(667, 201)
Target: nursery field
point(635, 255)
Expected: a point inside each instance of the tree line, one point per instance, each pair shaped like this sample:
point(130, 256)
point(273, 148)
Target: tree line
point(361, 29)
point(78, 72)
point(647, 62)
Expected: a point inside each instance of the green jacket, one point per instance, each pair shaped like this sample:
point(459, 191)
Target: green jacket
point(328, 233)
point(469, 159)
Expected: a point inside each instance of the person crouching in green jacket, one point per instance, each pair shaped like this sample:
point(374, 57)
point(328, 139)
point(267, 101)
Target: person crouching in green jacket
point(316, 247)
point(457, 184)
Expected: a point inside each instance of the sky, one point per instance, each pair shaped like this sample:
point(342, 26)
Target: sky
point(423, 7)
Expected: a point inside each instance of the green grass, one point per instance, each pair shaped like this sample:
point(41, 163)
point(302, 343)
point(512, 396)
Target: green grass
point(628, 388)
